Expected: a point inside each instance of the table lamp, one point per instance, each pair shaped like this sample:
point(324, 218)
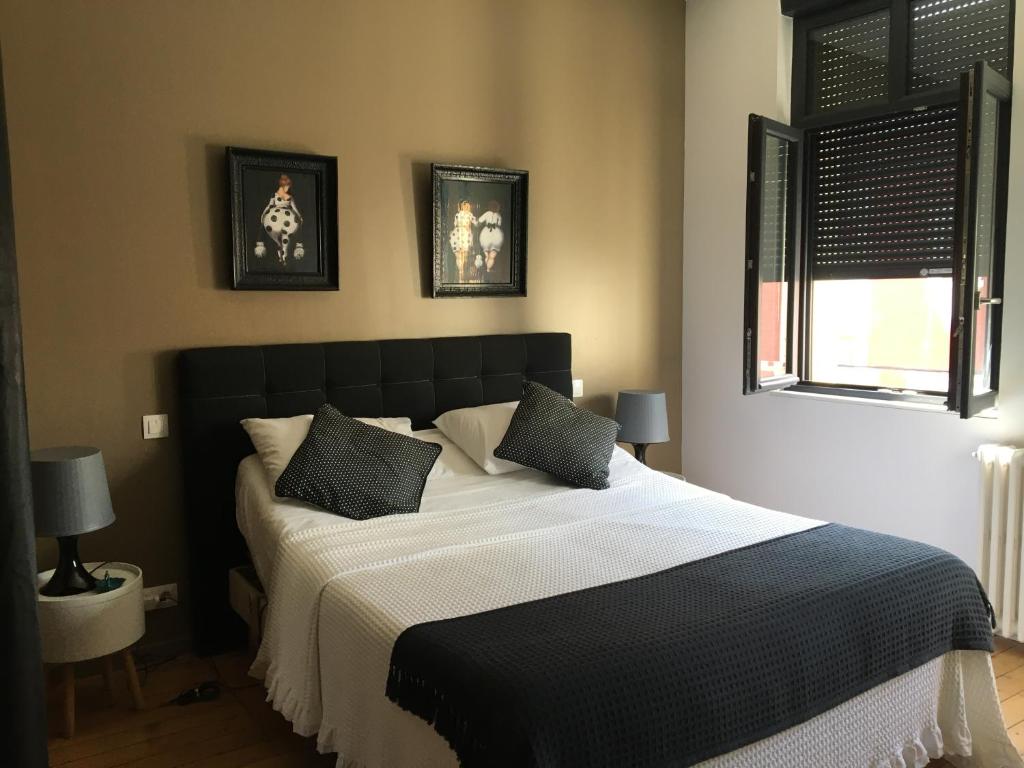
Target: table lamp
point(643, 419)
point(71, 497)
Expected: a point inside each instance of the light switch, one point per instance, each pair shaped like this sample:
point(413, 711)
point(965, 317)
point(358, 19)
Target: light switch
point(577, 387)
point(155, 425)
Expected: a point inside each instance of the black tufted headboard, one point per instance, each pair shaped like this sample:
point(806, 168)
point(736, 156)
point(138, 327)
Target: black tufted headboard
point(418, 378)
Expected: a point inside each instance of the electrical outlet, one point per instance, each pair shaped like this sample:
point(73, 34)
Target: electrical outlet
point(577, 387)
point(164, 596)
point(154, 425)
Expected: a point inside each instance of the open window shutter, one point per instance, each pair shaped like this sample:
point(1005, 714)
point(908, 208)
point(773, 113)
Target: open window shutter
point(774, 168)
point(980, 240)
point(883, 196)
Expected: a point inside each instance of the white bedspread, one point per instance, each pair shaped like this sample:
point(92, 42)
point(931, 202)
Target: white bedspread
point(341, 592)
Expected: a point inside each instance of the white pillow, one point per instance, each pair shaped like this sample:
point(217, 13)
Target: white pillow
point(452, 461)
point(400, 424)
point(477, 431)
point(277, 440)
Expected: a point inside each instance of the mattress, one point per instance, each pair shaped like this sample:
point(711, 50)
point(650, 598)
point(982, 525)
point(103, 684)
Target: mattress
point(340, 592)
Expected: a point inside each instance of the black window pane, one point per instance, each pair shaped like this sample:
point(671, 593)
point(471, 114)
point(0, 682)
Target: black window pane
point(883, 201)
point(774, 168)
point(772, 341)
point(984, 241)
point(848, 63)
point(948, 36)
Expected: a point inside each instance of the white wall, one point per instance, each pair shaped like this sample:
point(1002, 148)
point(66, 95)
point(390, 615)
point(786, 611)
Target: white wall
point(879, 467)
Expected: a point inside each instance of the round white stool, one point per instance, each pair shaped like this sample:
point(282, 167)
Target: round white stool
point(93, 625)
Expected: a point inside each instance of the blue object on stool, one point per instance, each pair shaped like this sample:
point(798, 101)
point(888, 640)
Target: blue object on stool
point(108, 583)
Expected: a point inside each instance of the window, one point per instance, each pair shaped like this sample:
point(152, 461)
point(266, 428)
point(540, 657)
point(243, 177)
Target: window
point(875, 224)
point(773, 209)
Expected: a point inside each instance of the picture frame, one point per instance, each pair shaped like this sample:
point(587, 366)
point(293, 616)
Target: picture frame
point(480, 230)
point(284, 220)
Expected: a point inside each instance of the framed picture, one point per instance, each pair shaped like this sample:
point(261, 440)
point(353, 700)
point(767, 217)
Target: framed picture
point(284, 220)
point(479, 231)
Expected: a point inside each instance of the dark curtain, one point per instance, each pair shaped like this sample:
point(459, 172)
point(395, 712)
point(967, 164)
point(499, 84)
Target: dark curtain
point(22, 702)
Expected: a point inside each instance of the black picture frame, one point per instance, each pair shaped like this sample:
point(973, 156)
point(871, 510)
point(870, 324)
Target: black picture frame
point(284, 236)
point(480, 230)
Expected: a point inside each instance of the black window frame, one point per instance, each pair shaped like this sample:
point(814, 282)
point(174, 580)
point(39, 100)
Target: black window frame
point(974, 85)
point(759, 130)
point(810, 15)
point(901, 98)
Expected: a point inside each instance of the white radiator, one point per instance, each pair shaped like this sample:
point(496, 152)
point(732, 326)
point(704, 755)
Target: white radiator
point(1002, 522)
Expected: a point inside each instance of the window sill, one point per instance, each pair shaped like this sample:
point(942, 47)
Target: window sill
point(902, 405)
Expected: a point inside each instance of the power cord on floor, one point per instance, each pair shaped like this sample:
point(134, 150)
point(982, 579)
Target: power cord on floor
point(208, 691)
point(147, 662)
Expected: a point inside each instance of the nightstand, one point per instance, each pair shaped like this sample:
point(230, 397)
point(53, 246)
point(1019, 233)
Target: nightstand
point(93, 625)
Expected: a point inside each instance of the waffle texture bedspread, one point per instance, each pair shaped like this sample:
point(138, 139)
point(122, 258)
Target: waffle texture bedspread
point(737, 646)
point(341, 593)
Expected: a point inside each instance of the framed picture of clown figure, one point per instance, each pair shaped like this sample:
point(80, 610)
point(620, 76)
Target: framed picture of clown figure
point(284, 220)
point(479, 231)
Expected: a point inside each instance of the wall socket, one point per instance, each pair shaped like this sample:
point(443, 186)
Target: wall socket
point(154, 425)
point(577, 387)
point(164, 596)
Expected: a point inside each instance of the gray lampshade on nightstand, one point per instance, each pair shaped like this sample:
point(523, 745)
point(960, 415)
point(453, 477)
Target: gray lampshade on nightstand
point(643, 419)
point(70, 497)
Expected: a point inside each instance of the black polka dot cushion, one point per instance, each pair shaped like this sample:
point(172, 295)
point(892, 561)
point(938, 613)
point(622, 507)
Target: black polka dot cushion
point(549, 433)
point(356, 470)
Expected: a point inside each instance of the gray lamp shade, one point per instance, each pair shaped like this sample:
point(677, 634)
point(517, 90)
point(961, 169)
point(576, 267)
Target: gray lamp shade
point(69, 491)
point(642, 416)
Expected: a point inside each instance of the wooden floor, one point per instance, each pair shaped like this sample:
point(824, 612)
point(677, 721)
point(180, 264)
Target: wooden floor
point(240, 730)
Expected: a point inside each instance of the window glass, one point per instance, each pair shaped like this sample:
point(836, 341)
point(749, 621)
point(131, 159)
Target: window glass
point(984, 241)
point(772, 341)
point(890, 333)
point(948, 36)
point(848, 63)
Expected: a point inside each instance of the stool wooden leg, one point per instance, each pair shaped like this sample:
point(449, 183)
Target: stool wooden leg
point(69, 700)
point(133, 678)
point(108, 677)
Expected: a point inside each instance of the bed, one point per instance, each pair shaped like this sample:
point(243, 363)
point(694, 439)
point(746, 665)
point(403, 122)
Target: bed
point(341, 593)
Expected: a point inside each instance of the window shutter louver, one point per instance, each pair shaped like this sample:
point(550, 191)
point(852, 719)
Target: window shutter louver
point(883, 203)
point(849, 63)
point(948, 36)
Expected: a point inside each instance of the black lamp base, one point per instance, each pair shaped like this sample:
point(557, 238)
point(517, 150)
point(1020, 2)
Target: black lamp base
point(640, 451)
point(70, 578)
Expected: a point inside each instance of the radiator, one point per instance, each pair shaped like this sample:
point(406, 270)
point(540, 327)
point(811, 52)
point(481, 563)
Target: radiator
point(1002, 521)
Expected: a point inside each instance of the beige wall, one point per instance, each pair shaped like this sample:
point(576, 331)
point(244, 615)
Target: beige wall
point(119, 111)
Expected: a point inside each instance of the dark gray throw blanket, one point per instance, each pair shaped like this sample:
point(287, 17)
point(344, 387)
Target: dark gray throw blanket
point(681, 665)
